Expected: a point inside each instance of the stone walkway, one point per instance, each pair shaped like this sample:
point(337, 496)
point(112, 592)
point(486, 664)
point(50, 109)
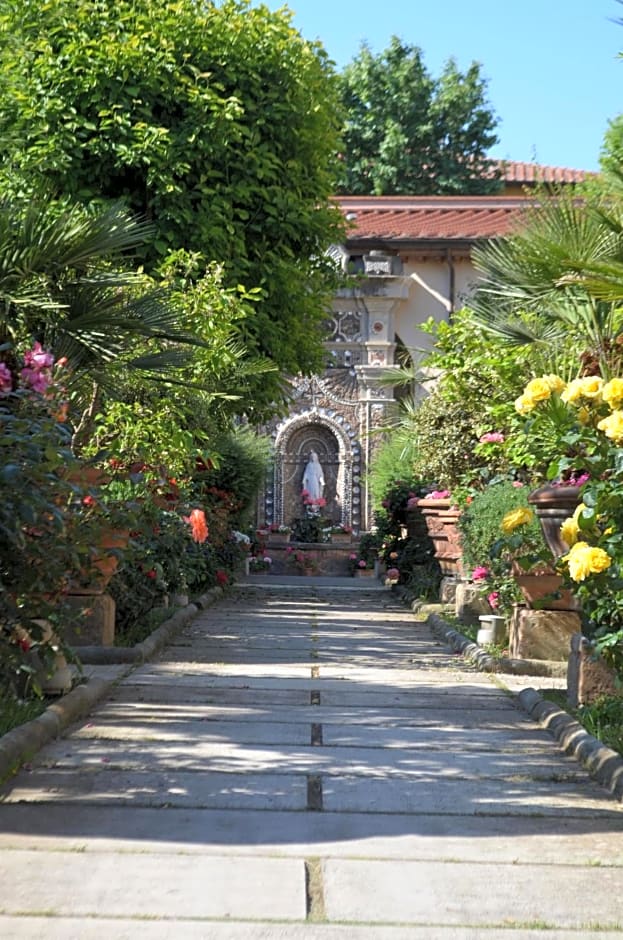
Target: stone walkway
point(306, 763)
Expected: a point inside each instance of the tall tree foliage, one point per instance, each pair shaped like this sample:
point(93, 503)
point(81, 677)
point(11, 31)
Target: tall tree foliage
point(407, 132)
point(219, 124)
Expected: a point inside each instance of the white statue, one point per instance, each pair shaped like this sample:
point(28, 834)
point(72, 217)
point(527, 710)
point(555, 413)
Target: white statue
point(313, 477)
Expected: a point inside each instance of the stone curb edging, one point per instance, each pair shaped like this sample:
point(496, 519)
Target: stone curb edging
point(602, 763)
point(485, 661)
point(22, 742)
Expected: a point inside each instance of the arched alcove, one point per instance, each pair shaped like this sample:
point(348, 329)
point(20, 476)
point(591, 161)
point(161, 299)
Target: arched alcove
point(339, 454)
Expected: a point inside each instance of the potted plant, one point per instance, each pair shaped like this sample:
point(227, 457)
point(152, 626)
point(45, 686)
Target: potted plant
point(340, 533)
point(304, 562)
point(259, 564)
point(279, 534)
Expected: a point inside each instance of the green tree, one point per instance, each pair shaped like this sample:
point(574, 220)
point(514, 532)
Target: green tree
point(219, 124)
point(407, 132)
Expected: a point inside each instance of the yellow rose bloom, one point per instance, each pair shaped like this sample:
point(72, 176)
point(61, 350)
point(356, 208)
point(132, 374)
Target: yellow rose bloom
point(584, 559)
point(569, 531)
point(516, 517)
point(538, 389)
point(612, 426)
point(589, 387)
point(556, 384)
point(524, 404)
point(612, 393)
point(584, 415)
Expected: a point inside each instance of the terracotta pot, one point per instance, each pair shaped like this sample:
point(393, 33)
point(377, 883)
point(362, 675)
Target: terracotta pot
point(88, 476)
point(341, 538)
point(540, 590)
point(96, 578)
point(441, 521)
point(552, 505)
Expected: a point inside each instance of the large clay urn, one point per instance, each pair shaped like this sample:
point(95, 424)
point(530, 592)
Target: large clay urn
point(441, 521)
point(552, 505)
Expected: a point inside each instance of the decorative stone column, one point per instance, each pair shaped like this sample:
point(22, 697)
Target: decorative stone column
point(380, 295)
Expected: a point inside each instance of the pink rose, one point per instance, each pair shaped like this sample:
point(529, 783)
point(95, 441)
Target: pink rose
point(494, 600)
point(6, 379)
point(492, 437)
point(480, 573)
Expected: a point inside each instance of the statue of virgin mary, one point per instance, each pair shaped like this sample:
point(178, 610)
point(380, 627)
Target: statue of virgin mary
point(313, 477)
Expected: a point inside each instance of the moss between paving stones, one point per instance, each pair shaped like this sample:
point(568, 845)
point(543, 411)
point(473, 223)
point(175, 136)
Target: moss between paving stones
point(20, 744)
point(602, 763)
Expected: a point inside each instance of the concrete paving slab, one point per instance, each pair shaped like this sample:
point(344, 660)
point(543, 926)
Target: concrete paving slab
point(198, 755)
point(454, 893)
point(137, 886)
point(208, 732)
point(559, 841)
point(254, 730)
point(65, 928)
point(205, 696)
point(447, 719)
point(505, 797)
point(160, 789)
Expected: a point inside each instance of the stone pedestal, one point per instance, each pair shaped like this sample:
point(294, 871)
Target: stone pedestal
point(542, 634)
point(588, 676)
point(469, 604)
point(447, 590)
point(95, 620)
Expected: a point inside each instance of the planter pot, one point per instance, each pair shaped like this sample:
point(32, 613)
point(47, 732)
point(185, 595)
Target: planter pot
point(543, 590)
point(179, 600)
point(341, 538)
point(97, 577)
point(441, 522)
point(278, 540)
point(364, 573)
point(552, 505)
point(492, 629)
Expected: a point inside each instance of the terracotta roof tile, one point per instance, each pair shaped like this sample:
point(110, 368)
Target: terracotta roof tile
point(430, 218)
point(514, 171)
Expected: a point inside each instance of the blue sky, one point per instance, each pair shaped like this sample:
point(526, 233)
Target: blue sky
point(554, 74)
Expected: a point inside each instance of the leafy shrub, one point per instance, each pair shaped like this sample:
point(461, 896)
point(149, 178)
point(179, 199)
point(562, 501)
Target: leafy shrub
point(480, 522)
point(239, 471)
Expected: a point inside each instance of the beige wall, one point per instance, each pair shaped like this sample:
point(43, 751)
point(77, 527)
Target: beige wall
point(429, 296)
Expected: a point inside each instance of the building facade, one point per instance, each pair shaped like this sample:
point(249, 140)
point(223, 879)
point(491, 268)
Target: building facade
point(411, 260)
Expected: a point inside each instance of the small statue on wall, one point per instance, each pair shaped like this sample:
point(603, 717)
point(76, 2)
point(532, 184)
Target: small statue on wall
point(313, 477)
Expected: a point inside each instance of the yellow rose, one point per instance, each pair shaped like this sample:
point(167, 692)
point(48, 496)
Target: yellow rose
point(524, 404)
point(516, 517)
point(584, 559)
point(612, 426)
point(569, 531)
point(612, 393)
point(572, 392)
point(538, 389)
point(589, 387)
point(556, 384)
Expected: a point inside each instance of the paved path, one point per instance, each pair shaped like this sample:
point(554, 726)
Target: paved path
point(308, 764)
